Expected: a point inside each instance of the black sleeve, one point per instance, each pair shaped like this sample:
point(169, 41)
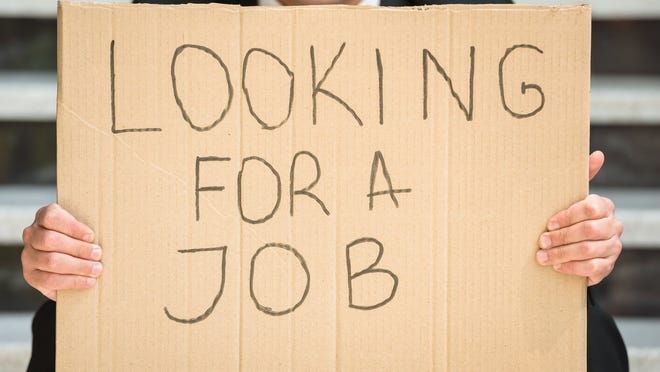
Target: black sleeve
point(606, 351)
point(43, 339)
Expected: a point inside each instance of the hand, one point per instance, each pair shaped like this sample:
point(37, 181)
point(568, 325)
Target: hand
point(58, 252)
point(584, 239)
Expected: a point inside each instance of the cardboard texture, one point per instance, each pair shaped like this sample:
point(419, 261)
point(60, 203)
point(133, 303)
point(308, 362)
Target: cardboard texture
point(322, 188)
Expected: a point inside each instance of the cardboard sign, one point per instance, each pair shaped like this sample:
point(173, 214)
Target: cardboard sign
point(322, 188)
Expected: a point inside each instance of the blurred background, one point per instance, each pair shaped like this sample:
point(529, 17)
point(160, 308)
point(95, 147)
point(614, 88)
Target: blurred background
point(625, 124)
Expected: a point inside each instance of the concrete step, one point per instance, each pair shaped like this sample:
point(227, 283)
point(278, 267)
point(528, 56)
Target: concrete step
point(640, 333)
point(28, 96)
point(642, 338)
point(639, 210)
point(14, 356)
point(15, 341)
point(37, 8)
point(615, 100)
point(18, 205)
point(609, 9)
point(644, 359)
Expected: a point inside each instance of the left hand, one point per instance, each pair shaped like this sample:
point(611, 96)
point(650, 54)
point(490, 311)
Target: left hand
point(584, 239)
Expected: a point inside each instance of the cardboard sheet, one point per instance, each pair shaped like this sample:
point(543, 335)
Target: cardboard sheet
point(322, 188)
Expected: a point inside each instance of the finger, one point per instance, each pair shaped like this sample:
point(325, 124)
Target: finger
point(596, 161)
point(593, 280)
point(592, 207)
point(601, 229)
point(618, 226)
point(53, 241)
point(581, 251)
point(595, 269)
point(53, 217)
point(50, 294)
point(55, 282)
point(60, 263)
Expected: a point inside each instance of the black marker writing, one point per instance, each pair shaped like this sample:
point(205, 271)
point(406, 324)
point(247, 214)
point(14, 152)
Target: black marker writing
point(523, 86)
point(230, 88)
point(369, 270)
point(305, 190)
point(316, 87)
point(288, 71)
point(205, 188)
point(209, 310)
point(426, 56)
point(240, 192)
point(379, 65)
point(112, 99)
point(378, 159)
point(303, 264)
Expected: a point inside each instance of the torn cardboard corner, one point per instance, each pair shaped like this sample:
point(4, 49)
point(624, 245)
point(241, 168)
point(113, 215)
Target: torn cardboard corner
point(322, 188)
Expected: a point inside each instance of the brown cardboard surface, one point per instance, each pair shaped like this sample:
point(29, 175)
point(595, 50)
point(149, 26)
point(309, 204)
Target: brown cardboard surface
point(328, 106)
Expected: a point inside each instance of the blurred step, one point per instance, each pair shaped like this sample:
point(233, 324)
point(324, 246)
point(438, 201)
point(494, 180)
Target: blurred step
point(18, 205)
point(640, 333)
point(29, 96)
point(619, 100)
point(14, 356)
point(15, 341)
point(16, 327)
point(641, 336)
point(639, 210)
point(609, 9)
point(644, 359)
point(37, 8)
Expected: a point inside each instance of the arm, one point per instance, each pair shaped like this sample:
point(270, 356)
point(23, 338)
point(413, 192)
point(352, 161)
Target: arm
point(584, 239)
point(59, 253)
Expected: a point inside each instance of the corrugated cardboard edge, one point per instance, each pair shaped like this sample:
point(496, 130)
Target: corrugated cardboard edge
point(60, 314)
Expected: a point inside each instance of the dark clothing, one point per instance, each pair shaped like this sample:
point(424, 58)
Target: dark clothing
point(606, 351)
point(43, 339)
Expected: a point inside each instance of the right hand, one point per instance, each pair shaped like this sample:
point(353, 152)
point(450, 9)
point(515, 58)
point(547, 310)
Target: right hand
point(59, 252)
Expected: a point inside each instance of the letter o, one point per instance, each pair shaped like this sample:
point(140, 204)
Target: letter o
point(300, 258)
point(239, 187)
point(230, 88)
point(286, 68)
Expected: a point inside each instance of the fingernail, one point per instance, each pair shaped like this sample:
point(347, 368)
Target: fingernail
point(545, 241)
point(96, 253)
point(542, 257)
point(553, 225)
point(90, 281)
point(557, 266)
point(96, 268)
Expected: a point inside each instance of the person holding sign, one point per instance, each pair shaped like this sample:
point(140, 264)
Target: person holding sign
point(583, 240)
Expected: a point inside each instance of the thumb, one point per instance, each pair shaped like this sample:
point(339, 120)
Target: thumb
point(596, 160)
